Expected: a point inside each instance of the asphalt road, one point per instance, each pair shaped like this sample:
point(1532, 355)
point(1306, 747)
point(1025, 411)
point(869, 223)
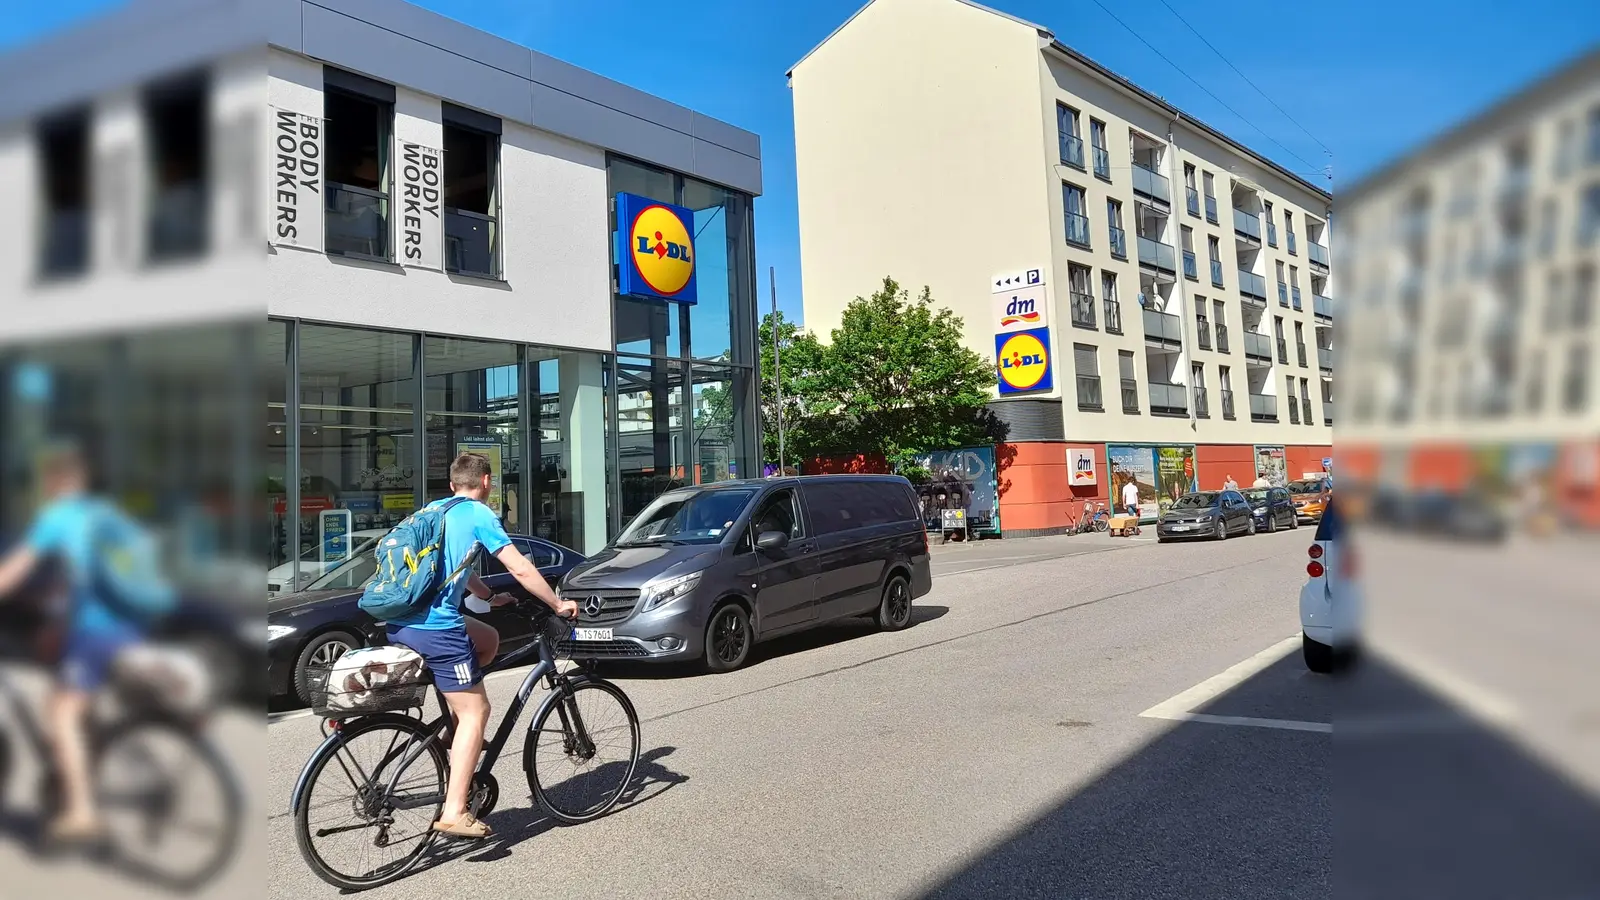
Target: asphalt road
point(996, 748)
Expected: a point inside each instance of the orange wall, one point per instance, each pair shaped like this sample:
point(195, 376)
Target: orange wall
point(1301, 458)
point(1445, 467)
point(1359, 462)
point(858, 464)
point(1213, 463)
point(1035, 490)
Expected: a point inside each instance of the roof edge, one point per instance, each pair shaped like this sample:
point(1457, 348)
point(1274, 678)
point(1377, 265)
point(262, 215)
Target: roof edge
point(789, 72)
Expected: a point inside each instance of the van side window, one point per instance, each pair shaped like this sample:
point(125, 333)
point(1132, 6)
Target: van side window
point(834, 507)
point(777, 513)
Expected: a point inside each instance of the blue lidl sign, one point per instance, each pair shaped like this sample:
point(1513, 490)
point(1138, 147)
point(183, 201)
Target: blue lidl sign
point(1022, 361)
point(655, 249)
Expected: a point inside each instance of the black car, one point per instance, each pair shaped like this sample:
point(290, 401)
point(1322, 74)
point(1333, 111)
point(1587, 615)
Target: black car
point(1273, 508)
point(314, 627)
point(1206, 514)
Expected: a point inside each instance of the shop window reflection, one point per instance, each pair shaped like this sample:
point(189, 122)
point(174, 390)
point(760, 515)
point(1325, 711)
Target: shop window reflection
point(471, 403)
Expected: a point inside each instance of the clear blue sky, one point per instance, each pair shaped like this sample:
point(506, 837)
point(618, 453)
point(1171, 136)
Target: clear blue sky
point(1370, 78)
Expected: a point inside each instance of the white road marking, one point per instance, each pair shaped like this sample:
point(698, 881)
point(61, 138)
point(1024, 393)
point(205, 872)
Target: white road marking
point(1177, 709)
point(1473, 698)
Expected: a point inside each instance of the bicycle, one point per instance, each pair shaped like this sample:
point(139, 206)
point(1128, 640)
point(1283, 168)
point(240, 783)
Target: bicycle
point(1094, 519)
point(407, 782)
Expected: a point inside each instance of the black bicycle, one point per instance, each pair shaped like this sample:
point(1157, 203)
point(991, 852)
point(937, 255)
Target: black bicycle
point(365, 804)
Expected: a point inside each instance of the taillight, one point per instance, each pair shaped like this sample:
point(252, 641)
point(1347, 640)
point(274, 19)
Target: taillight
point(1314, 569)
point(1315, 551)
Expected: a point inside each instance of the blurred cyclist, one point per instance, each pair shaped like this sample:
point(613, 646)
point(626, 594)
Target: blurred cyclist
point(95, 633)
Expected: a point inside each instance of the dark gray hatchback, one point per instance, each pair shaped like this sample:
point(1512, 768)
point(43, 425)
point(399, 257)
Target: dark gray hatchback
point(705, 572)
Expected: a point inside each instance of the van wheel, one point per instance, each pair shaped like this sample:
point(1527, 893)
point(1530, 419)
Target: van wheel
point(1318, 657)
point(728, 638)
point(894, 610)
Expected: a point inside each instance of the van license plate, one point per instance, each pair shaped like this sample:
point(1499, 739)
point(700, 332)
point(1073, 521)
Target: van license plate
point(591, 634)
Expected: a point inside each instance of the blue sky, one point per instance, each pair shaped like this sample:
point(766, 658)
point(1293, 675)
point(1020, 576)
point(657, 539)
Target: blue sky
point(1369, 78)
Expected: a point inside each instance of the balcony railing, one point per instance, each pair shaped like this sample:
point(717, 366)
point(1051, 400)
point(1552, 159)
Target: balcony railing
point(1227, 404)
point(357, 221)
point(1222, 338)
point(1294, 296)
point(1194, 202)
point(1162, 328)
point(64, 250)
point(1283, 294)
point(1327, 412)
point(1305, 411)
point(1283, 351)
point(470, 241)
point(1089, 392)
point(1102, 163)
point(1157, 254)
point(1252, 285)
point(1272, 234)
point(1072, 150)
point(1119, 242)
point(1082, 309)
point(1191, 269)
point(1292, 250)
point(1300, 348)
point(1263, 408)
point(1257, 346)
point(1130, 395)
point(1202, 403)
point(1077, 229)
point(1151, 184)
point(1294, 412)
point(1216, 272)
point(178, 221)
point(1318, 254)
point(1168, 399)
point(1247, 224)
point(1325, 358)
point(1211, 209)
point(1113, 316)
point(1203, 332)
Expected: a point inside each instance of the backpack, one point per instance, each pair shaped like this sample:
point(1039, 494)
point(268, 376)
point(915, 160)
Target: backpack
point(410, 562)
point(124, 570)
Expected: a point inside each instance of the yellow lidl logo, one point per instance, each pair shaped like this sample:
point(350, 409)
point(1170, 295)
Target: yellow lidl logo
point(1022, 360)
point(659, 258)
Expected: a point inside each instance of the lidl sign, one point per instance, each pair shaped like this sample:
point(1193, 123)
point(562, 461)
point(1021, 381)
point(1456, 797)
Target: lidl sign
point(655, 249)
point(1022, 361)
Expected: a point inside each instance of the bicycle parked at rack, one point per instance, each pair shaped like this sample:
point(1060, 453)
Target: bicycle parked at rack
point(1094, 519)
point(392, 768)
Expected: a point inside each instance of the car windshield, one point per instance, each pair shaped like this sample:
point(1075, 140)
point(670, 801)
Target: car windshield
point(352, 574)
point(686, 517)
point(1256, 495)
point(1308, 486)
point(1196, 501)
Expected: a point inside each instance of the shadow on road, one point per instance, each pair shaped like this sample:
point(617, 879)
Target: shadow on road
point(1414, 797)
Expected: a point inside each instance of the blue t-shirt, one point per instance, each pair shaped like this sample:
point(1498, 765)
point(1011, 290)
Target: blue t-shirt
point(466, 525)
point(64, 529)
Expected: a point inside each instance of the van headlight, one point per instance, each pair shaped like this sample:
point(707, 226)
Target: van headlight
point(660, 593)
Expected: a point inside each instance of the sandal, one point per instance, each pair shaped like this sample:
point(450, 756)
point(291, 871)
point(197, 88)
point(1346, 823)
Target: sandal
point(467, 826)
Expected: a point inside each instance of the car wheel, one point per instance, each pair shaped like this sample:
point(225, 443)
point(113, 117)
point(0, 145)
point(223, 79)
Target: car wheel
point(1318, 657)
point(1221, 530)
point(321, 652)
point(1250, 526)
point(894, 610)
point(728, 638)
point(1272, 523)
point(1294, 521)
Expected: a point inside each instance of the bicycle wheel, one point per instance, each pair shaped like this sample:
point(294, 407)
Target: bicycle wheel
point(582, 780)
point(353, 831)
point(1101, 524)
point(173, 810)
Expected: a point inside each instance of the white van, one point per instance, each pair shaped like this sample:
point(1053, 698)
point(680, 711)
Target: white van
point(1331, 601)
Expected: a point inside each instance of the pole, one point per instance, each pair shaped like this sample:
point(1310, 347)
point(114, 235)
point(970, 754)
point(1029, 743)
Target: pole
point(777, 361)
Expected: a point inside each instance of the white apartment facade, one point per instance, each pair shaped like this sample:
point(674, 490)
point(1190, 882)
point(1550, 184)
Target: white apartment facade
point(1186, 281)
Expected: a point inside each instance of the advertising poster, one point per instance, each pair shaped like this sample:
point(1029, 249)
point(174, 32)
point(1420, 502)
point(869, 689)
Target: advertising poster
point(1271, 461)
point(1138, 465)
point(489, 447)
point(1080, 468)
point(419, 229)
point(1174, 474)
point(333, 535)
point(972, 467)
point(296, 204)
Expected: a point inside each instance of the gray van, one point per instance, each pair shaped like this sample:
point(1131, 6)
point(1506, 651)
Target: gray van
point(705, 572)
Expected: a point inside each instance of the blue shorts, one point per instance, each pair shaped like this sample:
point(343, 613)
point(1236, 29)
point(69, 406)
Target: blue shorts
point(87, 657)
point(447, 651)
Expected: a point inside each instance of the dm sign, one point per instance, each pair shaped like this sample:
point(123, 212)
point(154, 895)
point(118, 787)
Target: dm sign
point(656, 249)
point(1022, 359)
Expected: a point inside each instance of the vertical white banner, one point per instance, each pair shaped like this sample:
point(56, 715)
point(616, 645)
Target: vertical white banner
point(419, 228)
point(296, 210)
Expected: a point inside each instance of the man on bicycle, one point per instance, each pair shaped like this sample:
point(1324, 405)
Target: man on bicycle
point(456, 647)
point(95, 635)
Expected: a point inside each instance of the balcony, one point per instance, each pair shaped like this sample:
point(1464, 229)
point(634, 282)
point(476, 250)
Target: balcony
point(1151, 184)
point(1102, 163)
point(357, 222)
point(1294, 296)
point(1162, 328)
point(1157, 255)
point(1325, 358)
point(1082, 309)
point(64, 248)
point(1283, 351)
point(1211, 209)
point(1130, 395)
point(1322, 307)
point(1113, 311)
point(1089, 393)
point(1191, 269)
point(1202, 332)
point(1227, 405)
point(1263, 408)
point(1294, 412)
point(1305, 411)
point(1119, 243)
point(1194, 202)
point(1300, 348)
point(1168, 399)
point(1283, 295)
point(469, 243)
point(1247, 224)
point(1202, 404)
point(1272, 234)
point(1252, 285)
point(1318, 254)
point(1257, 346)
point(1072, 150)
point(1216, 272)
point(1222, 338)
point(1292, 250)
point(1327, 412)
point(1078, 229)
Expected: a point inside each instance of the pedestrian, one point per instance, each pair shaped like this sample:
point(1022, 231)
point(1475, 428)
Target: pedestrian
point(1130, 497)
point(1230, 484)
point(1262, 481)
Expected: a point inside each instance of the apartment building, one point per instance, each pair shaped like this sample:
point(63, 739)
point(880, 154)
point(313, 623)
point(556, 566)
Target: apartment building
point(1473, 330)
point(432, 233)
point(1174, 287)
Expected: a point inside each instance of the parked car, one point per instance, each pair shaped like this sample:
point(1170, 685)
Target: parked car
point(706, 572)
point(1331, 600)
point(1307, 495)
point(1206, 514)
point(1273, 508)
point(313, 628)
point(283, 580)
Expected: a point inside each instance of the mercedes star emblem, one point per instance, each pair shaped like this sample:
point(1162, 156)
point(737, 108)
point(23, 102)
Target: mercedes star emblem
point(592, 606)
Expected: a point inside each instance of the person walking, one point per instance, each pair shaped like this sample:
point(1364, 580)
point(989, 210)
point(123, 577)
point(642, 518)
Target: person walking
point(1130, 497)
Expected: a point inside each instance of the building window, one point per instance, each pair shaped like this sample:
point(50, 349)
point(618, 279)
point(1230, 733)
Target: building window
point(1211, 197)
point(1072, 198)
point(1119, 238)
point(1081, 295)
point(1594, 135)
point(1305, 402)
point(1589, 216)
point(1130, 384)
point(1202, 402)
point(1225, 387)
point(1288, 231)
point(471, 193)
point(1202, 323)
point(1113, 307)
point(1086, 363)
point(1191, 269)
point(1288, 396)
point(1583, 296)
point(63, 148)
point(1272, 224)
point(1191, 195)
point(1534, 399)
point(357, 176)
point(1283, 345)
point(1565, 157)
point(1214, 251)
point(1071, 142)
point(1300, 342)
point(1102, 156)
point(1575, 394)
point(1219, 320)
point(178, 218)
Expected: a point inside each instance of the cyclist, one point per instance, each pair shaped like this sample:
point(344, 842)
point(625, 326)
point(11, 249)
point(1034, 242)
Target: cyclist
point(96, 634)
point(456, 647)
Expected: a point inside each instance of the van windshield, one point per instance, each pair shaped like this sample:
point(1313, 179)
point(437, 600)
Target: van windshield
point(686, 517)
